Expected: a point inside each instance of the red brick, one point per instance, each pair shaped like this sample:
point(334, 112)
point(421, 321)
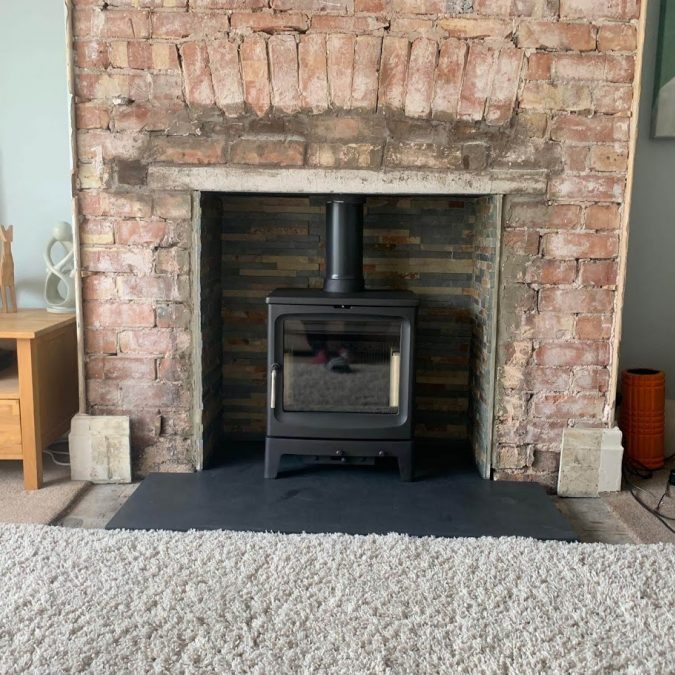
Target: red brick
point(255, 74)
point(153, 341)
point(370, 6)
point(93, 86)
point(522, 242)
point(569, 96)
point(477, 72)
point(172, 205)
point(268, 152)
point(564, 406)
point(264, 22)
point(360, 25)
point(393, 73)
point(340, 67)
point(448, 79)
point(504, 86)
point(101, 392)
point(596, 129)
point(609, 158)
point(617, 37)
point(418, 6)
point(229, 4)
point(598, 273)
point(593, 327)
point(91, 54)
point(581, 245)
point(422, 155)
point(541, 271)
point(284, 73)
point(556, 35)
point(164, 287)
point(578, 66)
point(575, 157)
point(492, 7)
point(345, 155)
point(154, 395)
point(312, 76)
point(607, 9)
point(98, 287)
point(121, 205)
point(420, 80)
point(312, 5)
point(226, 77)
point(120, 24)
point(197, 75)
point(92, 116)
point(547, 325)
point(542, 216)
point(119, 259)
point(177, 25)
point(118, 314)
point(539, 66)
point(589, 187)
point(613, 99)
point(121, 368)
point(602, 217)
point(467, 28)
point(96, 231)
point(139, 232)
point(366, 68)
point(576, 300)
point(620, 68)
point(577, 353)
point(188, 149)
point(100, 341)
point(138, 117)
point(591, 379)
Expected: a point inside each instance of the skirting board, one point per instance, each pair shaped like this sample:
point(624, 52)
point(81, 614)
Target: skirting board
point(590, 462)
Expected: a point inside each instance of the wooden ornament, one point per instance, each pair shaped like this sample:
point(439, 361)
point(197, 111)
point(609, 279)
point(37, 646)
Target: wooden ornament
point(7, 291)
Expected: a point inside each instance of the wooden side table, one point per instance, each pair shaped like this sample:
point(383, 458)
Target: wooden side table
point(38, 397)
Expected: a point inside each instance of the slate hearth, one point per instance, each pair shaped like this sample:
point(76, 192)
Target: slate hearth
point(447, 499)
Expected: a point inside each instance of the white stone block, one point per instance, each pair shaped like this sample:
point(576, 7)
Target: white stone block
point(611, 457)
point(590, 462)
point(100, 449)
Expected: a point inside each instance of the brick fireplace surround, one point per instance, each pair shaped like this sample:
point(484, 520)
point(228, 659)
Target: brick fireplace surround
point(532, 99)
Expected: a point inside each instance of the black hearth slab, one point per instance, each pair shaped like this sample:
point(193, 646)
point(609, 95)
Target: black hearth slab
point(452, 502)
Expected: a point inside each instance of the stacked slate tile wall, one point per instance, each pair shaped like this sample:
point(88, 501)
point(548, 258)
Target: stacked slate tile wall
point(480, 86)
point(422, 244)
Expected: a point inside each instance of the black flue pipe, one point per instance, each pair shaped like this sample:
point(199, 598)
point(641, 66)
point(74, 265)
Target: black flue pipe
point(344, 245)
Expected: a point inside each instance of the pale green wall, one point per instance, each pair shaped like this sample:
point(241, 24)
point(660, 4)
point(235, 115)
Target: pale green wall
point(34, 145)
point(649, 311)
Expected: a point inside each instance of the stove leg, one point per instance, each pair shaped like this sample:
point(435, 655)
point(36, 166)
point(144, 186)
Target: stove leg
point(405, 466)
point(272, 460)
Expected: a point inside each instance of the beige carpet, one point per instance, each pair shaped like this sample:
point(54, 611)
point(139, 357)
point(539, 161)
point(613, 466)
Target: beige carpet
point(218, 602)
point(41, 506)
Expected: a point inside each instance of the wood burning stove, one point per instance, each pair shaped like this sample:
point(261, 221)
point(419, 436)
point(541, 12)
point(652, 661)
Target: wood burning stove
point(341, 368)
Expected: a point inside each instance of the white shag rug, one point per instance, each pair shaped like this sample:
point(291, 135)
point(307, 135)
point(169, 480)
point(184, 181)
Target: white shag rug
point(205, 602)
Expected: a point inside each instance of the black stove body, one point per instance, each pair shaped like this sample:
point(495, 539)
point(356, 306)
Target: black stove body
point(340, 360)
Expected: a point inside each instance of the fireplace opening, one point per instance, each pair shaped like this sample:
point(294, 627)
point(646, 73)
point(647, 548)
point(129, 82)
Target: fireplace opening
point(440, 250)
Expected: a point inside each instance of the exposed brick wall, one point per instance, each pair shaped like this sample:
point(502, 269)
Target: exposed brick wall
point(423, 244)
point(373, 84)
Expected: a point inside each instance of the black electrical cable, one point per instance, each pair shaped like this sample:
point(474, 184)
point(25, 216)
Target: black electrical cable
point(634, 467)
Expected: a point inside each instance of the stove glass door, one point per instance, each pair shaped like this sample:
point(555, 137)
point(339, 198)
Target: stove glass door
point(341, 365)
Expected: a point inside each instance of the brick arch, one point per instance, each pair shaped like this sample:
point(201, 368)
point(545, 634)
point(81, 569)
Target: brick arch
point(316, 72)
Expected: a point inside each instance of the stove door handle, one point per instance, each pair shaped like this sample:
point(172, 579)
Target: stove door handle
point(276, 368)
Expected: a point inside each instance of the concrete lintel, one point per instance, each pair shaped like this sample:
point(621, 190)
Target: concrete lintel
point(219, 178)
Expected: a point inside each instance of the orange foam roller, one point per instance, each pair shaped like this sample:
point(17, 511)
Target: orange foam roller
point(642, 416)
